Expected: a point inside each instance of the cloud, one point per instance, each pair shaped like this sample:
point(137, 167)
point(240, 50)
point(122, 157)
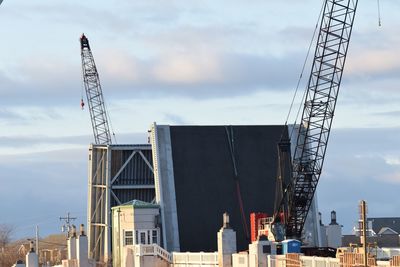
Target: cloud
point(9, 115)
point(171, 118)
point(46, 144)
point(392, 160)
point(28, 115)
point(394, 113)
point(202, 74)
point(375, 62)
point(205, 72)
point(190, 68)
point(29, 141)
point(164, 49)
point(67, 13)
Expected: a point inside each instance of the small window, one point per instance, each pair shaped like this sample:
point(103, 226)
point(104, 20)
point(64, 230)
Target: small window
point(128, 238)
point(148, 237)
point(143, 238)
point(154, 237)
point(267, 249)
point(137, 237)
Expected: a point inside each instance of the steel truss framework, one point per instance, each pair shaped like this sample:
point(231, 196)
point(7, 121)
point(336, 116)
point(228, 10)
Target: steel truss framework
point(94, 94)
point(117, 174)
point(323, 87)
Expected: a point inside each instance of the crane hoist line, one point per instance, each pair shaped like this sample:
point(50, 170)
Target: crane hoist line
point(94, 95)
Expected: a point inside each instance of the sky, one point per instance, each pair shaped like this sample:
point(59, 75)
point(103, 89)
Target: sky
point(186, 62)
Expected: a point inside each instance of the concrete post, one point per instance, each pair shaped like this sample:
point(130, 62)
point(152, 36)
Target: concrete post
point(32, 259)
point(72, 244)
point(82, 248)
point(226, 243)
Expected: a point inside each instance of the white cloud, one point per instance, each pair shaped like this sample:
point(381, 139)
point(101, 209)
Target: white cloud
point(392, 159)
point(189, 68)
point(117, 65)
point(374, 61)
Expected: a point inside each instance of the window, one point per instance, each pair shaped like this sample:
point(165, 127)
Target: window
point(266, 249)
point(142, 237)
point(154, 237)
point(137, 237)
point(128, 238)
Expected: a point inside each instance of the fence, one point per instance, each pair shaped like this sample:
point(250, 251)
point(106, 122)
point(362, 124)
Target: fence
point(204, 259)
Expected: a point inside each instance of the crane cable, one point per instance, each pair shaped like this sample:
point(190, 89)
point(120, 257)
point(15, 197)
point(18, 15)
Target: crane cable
point(109, 120)
point(301, 76)
point(82, 101)
point(231, 143)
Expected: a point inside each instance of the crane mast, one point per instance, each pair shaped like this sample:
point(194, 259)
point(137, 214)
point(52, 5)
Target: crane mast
point(319, 106)
point(94, 94)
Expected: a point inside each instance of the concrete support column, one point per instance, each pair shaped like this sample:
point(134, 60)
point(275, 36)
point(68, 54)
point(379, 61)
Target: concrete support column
point(226, 243)
point(32, 259)
point(82, 248)
point(72, 244)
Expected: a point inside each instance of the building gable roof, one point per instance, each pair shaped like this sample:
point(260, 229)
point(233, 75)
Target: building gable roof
point(387, 231)
point(389, 222)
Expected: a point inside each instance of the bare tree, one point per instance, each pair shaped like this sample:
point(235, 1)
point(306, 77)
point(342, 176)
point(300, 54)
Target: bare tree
point(6, 254)
point(6, 232)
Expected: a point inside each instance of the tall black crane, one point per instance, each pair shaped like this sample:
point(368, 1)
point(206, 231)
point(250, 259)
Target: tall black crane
point(319, 106)
point(94, 94)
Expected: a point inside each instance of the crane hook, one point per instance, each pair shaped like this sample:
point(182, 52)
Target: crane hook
point(82, 104)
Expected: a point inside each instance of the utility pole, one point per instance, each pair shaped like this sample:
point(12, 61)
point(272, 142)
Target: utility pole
point(37, 239)
point(363, 214)
point(67, 223)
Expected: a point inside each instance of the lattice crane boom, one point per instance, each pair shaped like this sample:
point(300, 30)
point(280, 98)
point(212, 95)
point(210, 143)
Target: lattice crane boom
point(319, 106)
point(94, 94)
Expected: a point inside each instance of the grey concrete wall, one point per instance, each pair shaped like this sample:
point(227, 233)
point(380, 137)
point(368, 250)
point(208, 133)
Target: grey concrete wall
point(165, 186)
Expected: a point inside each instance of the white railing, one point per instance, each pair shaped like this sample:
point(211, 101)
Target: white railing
point(312, 261)
point(152, 250)
point(305, 261)
point(194, 258)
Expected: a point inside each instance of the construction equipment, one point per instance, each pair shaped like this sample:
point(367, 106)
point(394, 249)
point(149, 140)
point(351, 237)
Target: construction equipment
point(319, 106)
point(94, 94)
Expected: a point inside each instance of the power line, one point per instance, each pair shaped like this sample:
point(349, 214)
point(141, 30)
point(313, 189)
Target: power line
point(67, 223)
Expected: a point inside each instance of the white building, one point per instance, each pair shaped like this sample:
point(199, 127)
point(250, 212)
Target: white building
point(134, 223)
